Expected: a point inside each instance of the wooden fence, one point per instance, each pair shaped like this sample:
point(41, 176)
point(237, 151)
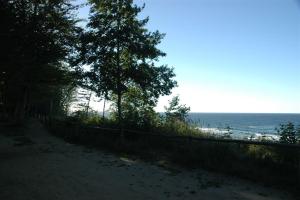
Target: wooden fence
point(270, 161)
point(194, 138)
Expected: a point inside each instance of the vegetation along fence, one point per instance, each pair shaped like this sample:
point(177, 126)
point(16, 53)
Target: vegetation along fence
point(268, 162)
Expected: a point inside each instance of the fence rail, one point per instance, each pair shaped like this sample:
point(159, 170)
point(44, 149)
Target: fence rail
point(194, 138)
point(264, 161)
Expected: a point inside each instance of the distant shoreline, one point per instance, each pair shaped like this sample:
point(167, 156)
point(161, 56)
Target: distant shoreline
point(243, 125)
point(243, 113)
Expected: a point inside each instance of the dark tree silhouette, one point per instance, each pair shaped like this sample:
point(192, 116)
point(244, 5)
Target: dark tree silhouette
point(288, 133)
point(37, 39)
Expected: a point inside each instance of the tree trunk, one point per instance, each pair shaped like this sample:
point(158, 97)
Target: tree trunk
point(103, 111)
point(119, 82)
point(20, 109)
point(120, 118)
point(88, 104)
point(50, 117)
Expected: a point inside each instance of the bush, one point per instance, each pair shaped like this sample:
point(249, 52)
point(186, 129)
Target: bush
point(175, 111)
point(288, 133)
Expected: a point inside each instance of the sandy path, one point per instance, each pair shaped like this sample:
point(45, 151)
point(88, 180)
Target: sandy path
point(40, 166)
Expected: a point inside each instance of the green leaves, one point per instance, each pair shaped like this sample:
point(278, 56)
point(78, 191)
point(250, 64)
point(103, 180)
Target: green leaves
point(288, 133)
point(176, 111)
point(122, 53)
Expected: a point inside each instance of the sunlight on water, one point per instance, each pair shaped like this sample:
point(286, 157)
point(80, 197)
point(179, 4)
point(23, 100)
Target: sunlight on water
point(242, 126)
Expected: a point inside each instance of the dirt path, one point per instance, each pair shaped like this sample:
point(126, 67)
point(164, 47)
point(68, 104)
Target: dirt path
point(35, 165)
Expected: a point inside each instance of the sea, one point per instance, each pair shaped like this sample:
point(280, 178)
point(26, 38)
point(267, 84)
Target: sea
point(254, 126)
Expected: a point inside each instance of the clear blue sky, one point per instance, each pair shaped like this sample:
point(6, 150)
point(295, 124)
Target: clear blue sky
point(230, 55)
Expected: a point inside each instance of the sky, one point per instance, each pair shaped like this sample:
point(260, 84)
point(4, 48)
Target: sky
point(229, 55)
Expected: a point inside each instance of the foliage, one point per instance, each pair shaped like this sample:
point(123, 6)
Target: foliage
point(287, 133)
point(122, 53)
point(255, 162)
point(83, 99)
point(179, 128)
point(92, 119)
point(37, 39)
point(175, 111)
point(138, 110)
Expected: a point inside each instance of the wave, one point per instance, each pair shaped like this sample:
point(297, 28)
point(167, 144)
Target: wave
point(212, 130)
point(238, 134)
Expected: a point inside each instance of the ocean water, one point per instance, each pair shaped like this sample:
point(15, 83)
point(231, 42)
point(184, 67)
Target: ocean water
point(243, 125)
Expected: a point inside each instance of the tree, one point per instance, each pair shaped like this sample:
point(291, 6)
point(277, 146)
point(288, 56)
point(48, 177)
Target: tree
point(122, 53)
point(37, 39)
point(175, 111)
point(83, 98)
point(298, 133)
point(287, 133)
point(138, 110)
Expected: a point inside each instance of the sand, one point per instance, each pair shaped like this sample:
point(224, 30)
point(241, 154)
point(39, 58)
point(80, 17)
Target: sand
point(36, 165)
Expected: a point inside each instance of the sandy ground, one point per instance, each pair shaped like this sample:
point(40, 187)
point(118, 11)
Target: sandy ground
point(36, 165)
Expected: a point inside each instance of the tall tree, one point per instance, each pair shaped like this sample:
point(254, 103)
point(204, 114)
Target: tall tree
point(37, 38)
point(123, 53)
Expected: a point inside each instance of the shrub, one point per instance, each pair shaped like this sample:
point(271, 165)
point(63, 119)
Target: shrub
point(175, 111)
point(287, 133)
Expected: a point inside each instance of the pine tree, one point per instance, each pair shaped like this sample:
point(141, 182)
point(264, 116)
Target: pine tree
point(122, 53)
point(287, 133)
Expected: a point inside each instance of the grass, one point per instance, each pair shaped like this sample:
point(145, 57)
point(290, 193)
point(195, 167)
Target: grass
point(270, 165)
